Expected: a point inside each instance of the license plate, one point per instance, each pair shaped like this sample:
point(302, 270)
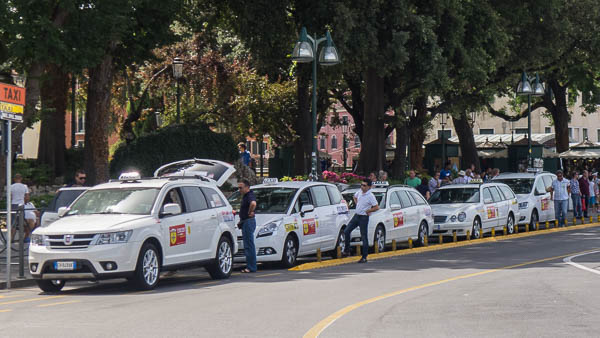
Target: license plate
point(65, 265)
point(438, 227)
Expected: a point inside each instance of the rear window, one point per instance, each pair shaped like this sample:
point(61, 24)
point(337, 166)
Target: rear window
point(320, 196)
point(334, 195)
point(64, 198)
point(507, 192)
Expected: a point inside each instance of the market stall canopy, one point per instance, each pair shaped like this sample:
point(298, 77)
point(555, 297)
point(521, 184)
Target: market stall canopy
point(507, 138)
point(586, 144)
point(580, 154)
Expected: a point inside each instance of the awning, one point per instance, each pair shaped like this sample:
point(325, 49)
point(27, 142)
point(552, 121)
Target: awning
point(580, 154)
point(486, 153)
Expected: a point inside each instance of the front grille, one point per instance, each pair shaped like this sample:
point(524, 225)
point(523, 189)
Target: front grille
point(439, 219)
point(77, 242)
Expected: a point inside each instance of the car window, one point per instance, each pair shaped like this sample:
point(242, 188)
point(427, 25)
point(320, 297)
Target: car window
point(487, 195)
point(349, 197)
point(64, 198)
point(417, 197)
point(303, 199)
point(213, 199)
point(547, 180)
point(496, 195)
point(174, 196)
point(507, 192)
point(334, 195)
point(320, 196)
point(518, 185)
point(394, 199)
point(539, 186)
point(269, 200)
point(194, 199)
point(404, 199)
point(137, 201)
point(455, 195)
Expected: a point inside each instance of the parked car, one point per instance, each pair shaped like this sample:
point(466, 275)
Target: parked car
point(295, 219)
point(475, 207)
point(63, 198)
point(403, 214)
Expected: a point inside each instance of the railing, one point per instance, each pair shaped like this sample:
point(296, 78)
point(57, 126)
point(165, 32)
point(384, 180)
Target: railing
point(6, 243)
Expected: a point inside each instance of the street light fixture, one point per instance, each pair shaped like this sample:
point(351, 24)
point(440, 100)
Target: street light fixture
point(443, 123)
point(178, 74)
point(525, 88)
point(305, 51)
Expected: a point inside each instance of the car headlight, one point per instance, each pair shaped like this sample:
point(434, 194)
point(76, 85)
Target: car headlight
point(38, 240)
point(523, 205)
point(462, 216)
point(453, 218)
point(114, 237)
point(267, 230)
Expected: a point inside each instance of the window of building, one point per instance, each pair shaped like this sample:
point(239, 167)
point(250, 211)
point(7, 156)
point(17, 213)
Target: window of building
point(571, 133)
point(486, 131)
point(80, 144)
point(333, 142)
point(585, 133)
point(322, 142)
point(357, 140)
point(598, 135)
point(547, 130)
point(345, 119)
point(80, 123)
point(521, 131)
point(447, 134)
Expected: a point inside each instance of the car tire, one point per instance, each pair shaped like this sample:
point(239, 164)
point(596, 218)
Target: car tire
point(423, 231)
point(47, 285)
point(147, 271)
point(533, 220)
point(477, 231)
point(290, 252)
point(221, 267)
point(379, 238)
point(341, 243)
point(510, 224)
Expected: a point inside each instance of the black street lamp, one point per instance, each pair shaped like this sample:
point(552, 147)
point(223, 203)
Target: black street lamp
point(443, 123)
point(345, 139)
point(525, 88)
point(305, 51)
point(178, 74)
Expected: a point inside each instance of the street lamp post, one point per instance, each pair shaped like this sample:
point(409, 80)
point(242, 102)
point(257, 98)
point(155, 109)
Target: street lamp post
point(177, 74)
point(305, 51)
point(524, 88)
point(444, 120)
point(345, 140)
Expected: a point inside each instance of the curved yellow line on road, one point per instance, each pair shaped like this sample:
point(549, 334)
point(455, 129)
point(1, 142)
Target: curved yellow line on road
point(316, 330)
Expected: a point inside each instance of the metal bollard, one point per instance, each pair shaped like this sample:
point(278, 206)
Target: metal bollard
point(537, 226)
point(468, 235)
point(516, 228)
point(440, 239)
point(426, 241)
point(556, 223)
point(591, 219)
point(504, 231)
point(454, 236)
point(338, 253)
point(318, 255)
point(393, 245)
point(598, 218)
point(527, 227)
point(358, 247)
point(376, 247)
point(493, 232)
point(574, 221)
point(547, 225)
point(21, 216)
point(410, 244)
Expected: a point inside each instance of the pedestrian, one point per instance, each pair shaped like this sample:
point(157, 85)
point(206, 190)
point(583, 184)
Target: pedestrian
point(461, 178)
point(366, 203)
point(373, 177)
point(576, 194)
point(18, 191)
point(244, 154)
point(584, 188)
point(435, 182)
point(248, 224)
point(596, 189)
point(592, 204)
point(495, 173)
point(423, 188)
point(412, 179)
point(446, 172)
point(559, 192)
point(488, 175)
point(383, 175)
point(79, 179)
point(468, 175)
point(31, 217)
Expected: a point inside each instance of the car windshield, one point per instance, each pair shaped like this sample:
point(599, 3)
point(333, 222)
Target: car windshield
point(137, 201)
point(271, 200)
point(455, 195)
point(518, 185)
point(348, 197)
point(64, 198)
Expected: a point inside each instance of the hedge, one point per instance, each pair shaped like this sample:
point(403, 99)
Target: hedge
point(173, 143)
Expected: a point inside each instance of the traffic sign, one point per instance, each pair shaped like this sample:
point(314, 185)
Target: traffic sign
point(12, 94)
point(9, 111)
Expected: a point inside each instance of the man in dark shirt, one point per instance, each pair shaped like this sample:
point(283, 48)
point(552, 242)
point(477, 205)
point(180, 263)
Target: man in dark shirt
point(584, 188)
point(248, 224)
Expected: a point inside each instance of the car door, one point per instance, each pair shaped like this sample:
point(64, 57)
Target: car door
point(217, 211)
point(407, 213)
point(501, 205)
point(326, 215)
point(490, 218)
point(339, 209)
point(176, 243)
point(513, 205)
point(423, 211)
point(204, 222)
point(394, 216)
point(547, 202)
point(307, 233)
point(541, 198)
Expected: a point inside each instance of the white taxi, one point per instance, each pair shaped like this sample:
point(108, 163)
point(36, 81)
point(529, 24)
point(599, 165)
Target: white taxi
point(475, 207)
point(535, 204)
point(135, 228)
point(294, 219)
point(403, 213)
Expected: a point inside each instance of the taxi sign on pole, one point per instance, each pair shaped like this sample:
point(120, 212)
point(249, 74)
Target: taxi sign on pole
point(12, 100)
point(9, 111)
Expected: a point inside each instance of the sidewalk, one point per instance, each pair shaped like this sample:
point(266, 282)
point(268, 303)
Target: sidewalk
point(15, 281)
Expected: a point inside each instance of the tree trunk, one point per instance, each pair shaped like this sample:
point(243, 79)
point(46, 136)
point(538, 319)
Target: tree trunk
point(560, 115)
point(372, 153)
point(467, 141)
point(97, 120)
point(303, 128)
point(54, 92)
point(399, 164)
point(417, 133)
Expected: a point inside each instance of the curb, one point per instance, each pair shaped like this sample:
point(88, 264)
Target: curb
point(18, 283)
point(404, 252)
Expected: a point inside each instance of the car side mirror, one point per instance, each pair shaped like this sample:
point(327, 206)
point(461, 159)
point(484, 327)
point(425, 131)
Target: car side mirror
point(487, 201)
point(395, 206)
point(62, 211)
point(306, 208)
point(171, 209)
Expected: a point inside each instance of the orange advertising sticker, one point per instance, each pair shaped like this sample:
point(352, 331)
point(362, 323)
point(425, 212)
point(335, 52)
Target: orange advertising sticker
point(309, 226)
point(177, 234)
point(398, 219)
point(12, 94)
point(545, 204)
point(491, 212)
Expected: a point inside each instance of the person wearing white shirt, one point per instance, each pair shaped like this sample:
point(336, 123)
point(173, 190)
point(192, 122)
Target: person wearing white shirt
point(559, 192)
point(18, 191)
point(31, 216)
point(366, 203)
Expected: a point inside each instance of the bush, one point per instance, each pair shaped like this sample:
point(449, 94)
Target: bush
point(173, 143)
point(32, 173)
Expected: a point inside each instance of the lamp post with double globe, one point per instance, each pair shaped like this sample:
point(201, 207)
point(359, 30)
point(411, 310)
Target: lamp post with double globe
point(525, 87)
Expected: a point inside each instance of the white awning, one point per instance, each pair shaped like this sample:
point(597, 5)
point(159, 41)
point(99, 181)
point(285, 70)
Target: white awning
point(580, 154)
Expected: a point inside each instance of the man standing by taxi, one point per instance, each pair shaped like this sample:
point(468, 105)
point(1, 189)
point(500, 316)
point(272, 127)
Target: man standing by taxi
point(559, 192)
point(248, 224)
point(366, 203)
point(412, 179)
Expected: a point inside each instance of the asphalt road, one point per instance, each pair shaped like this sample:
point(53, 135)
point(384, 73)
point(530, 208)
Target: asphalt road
point(521, 287)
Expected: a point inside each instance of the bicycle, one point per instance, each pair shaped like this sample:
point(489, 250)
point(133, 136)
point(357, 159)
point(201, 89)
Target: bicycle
point(4, 232)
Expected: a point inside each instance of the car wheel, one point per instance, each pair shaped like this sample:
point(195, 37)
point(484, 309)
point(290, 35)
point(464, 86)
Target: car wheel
point(379, 238)
point(476, 231)
point(147, 270)
point(54, 285)
point(221, 267)
point(510, 224)
point(341, 243)
point(533, 221)
point(423, 231)
point(290, 252)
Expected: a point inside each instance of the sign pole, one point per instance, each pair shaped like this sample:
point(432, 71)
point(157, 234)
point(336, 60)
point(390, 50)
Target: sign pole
point(8, 203)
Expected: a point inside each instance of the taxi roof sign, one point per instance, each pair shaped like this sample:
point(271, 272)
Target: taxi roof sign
point(130, 176)
point(381, 183)
point(476, 181)
point(270, 180)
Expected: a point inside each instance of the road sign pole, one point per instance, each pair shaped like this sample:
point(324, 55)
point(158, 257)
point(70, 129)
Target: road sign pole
point(8, 203)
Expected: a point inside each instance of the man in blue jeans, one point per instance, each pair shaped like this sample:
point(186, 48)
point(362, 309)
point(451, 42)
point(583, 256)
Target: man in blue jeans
point(559, 192)
point(366, 203)
point(248, 224)
point(576, 195)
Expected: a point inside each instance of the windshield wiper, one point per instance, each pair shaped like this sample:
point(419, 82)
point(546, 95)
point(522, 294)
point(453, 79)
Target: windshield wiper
point(108, 212)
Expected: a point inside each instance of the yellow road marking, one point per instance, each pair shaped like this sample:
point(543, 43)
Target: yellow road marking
point(6, 310)
point(59, 303)
point(316, 330)
point(268, 274)
point(404, 252)
point(31, 300)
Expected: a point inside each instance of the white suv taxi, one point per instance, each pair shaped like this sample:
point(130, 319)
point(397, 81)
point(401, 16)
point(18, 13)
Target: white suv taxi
point(294, 219)
point(535, 204)
point(403, 213)
point(475, 207)
point(135, 228)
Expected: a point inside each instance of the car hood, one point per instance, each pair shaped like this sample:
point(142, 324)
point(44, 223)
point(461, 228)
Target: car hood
point(449, 209)
point(522, 197)
point(88, 224)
